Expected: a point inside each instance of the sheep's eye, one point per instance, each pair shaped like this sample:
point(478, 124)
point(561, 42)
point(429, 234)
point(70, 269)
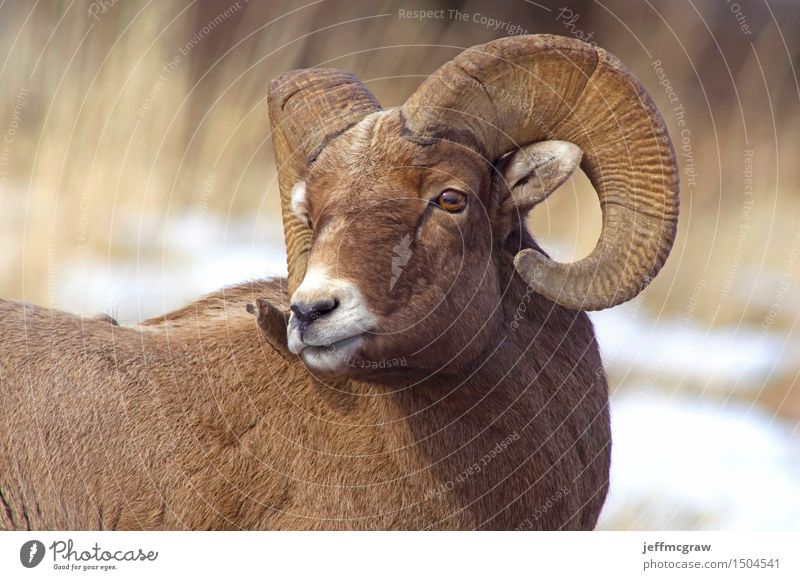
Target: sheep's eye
point(452, 201)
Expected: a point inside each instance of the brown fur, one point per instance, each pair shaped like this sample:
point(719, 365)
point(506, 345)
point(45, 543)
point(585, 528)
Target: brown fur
point(195, 421)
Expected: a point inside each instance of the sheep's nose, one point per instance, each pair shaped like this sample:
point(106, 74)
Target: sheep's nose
point(307, 312)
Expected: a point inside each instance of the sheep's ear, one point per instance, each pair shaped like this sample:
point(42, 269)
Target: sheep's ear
point(533, 172)
point(272, 321)
point(300, 203)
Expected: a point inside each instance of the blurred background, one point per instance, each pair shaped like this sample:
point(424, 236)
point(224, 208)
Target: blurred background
point(136, 173)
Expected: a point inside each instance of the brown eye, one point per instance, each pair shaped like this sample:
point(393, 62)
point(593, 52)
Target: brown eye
point(452, 201)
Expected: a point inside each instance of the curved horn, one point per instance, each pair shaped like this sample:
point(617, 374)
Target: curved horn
point(514, 91)
point(307, 108)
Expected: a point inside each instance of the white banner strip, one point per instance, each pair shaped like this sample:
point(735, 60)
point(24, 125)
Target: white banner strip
point(380, 555)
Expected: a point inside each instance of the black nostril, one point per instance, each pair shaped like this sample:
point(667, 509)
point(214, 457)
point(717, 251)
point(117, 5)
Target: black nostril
point(308, 312)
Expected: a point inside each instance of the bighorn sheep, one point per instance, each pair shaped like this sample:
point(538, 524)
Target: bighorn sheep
point(459, 386)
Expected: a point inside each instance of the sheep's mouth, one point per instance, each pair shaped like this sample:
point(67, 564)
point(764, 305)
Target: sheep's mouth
point(332, 357)
point(340, 345)
point(300, 341)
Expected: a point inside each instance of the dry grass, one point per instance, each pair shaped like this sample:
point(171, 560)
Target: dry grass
point(120, 123)
point(111, 132)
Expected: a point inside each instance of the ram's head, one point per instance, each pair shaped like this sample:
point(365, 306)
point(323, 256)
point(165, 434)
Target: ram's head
point(405, 227)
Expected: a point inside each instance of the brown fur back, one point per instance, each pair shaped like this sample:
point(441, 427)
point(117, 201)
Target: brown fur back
point(192, 421)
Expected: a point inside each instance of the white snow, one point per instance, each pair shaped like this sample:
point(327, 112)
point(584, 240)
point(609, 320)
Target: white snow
point(721, 357)
point(681, 463)
point(197, 255)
